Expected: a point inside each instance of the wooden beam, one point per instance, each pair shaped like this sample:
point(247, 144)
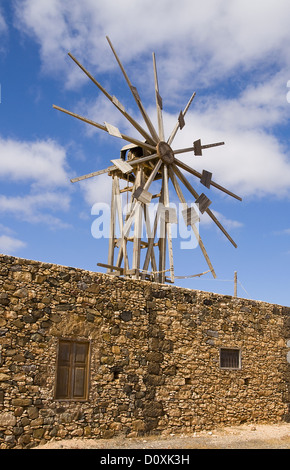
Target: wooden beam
point(136, 96)
point(150, 251)
point(115, 101)
point(104, 128)
point(158, 101)
point(197, 148)
point(199, 175)
point(163, 236)
point(149, 238)
point(177, 125)
point(137, 228)
point(208, 211)
point(113, 167)
point(168, 224)
point(112, 228)
point(110, 266)
point(123, 249)
point(126, 189)
point(129, 221)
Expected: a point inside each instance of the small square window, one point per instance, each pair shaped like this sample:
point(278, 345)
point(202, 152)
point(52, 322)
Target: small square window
point(230, 358)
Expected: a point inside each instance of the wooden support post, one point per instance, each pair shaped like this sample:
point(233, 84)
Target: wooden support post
point(112, 228)
point(123, 247)
point(162, 235)
point(137, 228)
point(168, 224)
point(150, 250)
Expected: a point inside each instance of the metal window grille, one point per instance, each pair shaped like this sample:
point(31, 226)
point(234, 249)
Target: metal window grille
point(230, 358)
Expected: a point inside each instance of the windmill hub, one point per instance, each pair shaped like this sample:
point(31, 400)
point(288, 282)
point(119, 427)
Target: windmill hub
point(165, 152)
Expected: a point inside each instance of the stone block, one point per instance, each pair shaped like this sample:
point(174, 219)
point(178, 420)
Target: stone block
point(4, 377)
point(7, 419)
point(21, 401)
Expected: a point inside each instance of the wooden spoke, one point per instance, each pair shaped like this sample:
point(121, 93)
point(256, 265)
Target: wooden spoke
point(183, 201)
point(199, 175)
point(177, 126)
point(115, 101)
point(136, 97)
point(197, 148)
point(104, 128)
point(196, 196)
point(112, 168)
point(158, 102)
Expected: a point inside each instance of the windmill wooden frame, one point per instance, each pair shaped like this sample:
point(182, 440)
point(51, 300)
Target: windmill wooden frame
point(141, 162)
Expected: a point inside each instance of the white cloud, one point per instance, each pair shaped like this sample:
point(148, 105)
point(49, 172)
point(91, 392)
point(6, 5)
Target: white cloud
point(210, 39)
point(41, 169)
point(37, 207)
point(3, 25)
point(285, 231)
point(252, 162)
point(97, 189)
point(9, 245)
point(229, 224)
point(41, 162)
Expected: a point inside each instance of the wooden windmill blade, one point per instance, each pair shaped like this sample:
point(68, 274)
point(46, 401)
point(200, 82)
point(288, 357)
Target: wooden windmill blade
point(107, 128)
point(177, 126)
point(159, 104)
point(113, 167)
point(115, 101)
point(136, 96)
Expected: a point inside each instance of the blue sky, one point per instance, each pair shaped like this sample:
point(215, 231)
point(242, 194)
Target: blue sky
point(234, 55)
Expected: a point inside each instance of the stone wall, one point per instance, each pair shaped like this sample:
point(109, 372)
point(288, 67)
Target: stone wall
point(154, 356)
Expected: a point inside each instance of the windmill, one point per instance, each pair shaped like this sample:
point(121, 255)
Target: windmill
point(142, 162)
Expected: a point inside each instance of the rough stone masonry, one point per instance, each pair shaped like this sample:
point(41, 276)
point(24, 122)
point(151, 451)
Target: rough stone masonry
point(154, 356)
